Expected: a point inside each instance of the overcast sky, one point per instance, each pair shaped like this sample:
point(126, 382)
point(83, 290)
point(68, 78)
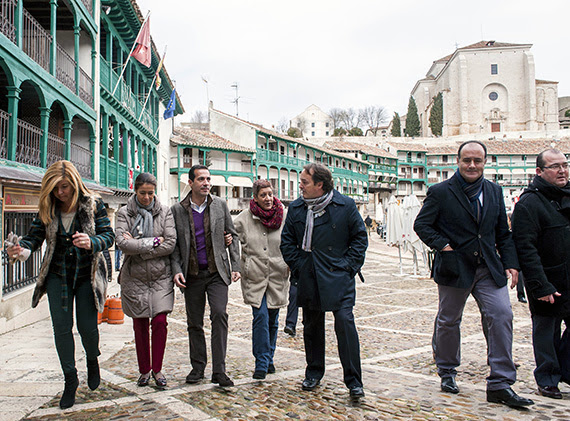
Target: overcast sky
point(287, 55)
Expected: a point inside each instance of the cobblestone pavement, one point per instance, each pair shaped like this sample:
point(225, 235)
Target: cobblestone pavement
point(394, 315)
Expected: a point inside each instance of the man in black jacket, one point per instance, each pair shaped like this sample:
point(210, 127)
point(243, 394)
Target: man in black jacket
point(464, 220)
point(541, 230)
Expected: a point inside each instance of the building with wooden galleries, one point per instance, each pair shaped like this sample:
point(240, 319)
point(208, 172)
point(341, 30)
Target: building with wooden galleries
point(59, 63)
point(280, 158)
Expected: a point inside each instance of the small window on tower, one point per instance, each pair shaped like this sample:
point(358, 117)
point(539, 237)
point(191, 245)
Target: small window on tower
point(494, 69)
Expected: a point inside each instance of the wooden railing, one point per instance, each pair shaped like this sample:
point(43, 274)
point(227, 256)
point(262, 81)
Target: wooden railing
point(81, 158)
point(8, 19)
point(85, 88)
point(65, 68)
point(28, 146)
point(55, 149)
point(36, 41)
point(4, 124)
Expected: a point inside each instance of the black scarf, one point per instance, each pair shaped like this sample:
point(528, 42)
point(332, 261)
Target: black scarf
point(558, 196)
point(472, 191)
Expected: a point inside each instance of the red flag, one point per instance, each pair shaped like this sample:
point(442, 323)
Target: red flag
point(142, 51)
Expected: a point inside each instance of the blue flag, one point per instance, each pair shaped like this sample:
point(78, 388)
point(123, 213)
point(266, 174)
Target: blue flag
point(169, 112)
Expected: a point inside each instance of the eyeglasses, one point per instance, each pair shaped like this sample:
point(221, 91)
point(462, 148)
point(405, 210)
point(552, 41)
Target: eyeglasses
point(557, 167)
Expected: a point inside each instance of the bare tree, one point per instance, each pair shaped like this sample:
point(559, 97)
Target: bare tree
point(373, 116)
point(350, 118)
point(335, 115)
point(283, 125)
point(301, 124)
point(200, 117)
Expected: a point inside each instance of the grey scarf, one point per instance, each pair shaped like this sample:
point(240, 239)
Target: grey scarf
point(316, 208)
point(143, 227)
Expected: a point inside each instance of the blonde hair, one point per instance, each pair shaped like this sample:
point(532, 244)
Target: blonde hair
point(58, 171)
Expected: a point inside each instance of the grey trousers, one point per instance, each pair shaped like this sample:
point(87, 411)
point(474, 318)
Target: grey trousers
point(495, 305)
point(197, 288)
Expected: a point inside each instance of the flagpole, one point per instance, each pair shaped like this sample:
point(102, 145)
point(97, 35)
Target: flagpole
point(152, 84)
point(129, 56)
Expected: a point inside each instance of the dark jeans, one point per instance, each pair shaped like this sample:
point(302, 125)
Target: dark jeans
point(348, 344)
point(216, 290)
point(550, 350)
point(292, 309)
point(62, 321)
point(264, 335)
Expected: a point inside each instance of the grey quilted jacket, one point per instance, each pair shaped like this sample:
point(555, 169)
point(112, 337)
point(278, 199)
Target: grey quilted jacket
point(147, 288)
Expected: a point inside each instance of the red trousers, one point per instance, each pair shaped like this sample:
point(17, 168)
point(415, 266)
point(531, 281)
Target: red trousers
point(142, 342)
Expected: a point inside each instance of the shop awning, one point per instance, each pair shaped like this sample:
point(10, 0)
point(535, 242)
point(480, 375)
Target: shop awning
point(240, 181)
point(219, 180)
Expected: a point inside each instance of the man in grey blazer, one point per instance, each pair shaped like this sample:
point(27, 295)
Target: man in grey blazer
point(202, 269)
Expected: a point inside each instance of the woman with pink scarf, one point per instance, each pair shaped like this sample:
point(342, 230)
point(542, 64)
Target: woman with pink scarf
point(265, 275)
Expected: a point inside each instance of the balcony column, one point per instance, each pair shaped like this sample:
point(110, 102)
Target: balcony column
point(19, 22)
point(76, 33)
point(67, 125)
point(13, 99)
point(44, 115)
point(116, 153)
point(53, 31)
point(105, 146)
point(92, 143)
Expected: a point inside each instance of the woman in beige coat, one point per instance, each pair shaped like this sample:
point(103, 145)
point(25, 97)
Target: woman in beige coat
point(264, 280)
point(146, 234)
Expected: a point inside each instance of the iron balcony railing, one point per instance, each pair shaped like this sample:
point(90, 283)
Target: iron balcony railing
point(85, 87)
point(36, 41)
point(65, 68)
point(55, 149)
point(28, 146)
point(19, 274)
point(89, 5)
point(8, 19)
point(81, 158)
point(4, 124)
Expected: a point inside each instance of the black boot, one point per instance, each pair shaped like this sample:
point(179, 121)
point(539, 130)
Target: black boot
point(71, 383)
point(93, 375)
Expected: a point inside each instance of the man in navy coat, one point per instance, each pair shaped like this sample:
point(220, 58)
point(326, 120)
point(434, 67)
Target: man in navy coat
point(464, 220)
point(324, 241)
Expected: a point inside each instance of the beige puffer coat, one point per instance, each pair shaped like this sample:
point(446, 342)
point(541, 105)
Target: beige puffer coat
point(263, 270)
point(147, 287)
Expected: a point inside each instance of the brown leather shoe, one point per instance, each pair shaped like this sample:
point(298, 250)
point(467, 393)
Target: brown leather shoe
point(550, 392)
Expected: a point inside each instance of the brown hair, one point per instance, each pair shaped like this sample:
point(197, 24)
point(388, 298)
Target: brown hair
point(260, 184)
point(145, 178)
point(320, 173)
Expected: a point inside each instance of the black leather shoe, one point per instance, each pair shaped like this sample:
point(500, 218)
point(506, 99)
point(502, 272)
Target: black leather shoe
point(271, 369)
point(143, 380)
point(310, 384)
point(159, 379)
point(357, 392)
point(290, 331)
point(222, 379)
point(508, 397)
point(448, 385)
point(522, 299)
point(550, 392)
point(259, 375)
point(194, 376)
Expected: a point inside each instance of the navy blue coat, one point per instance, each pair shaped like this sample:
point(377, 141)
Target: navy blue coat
point(326, 274)
point(447, 217)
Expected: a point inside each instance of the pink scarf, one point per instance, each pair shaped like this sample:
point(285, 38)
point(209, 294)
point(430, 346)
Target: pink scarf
point(271, 218)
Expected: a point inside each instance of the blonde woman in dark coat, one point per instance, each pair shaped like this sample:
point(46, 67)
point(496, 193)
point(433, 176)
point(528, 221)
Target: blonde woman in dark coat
point(146, 235)
point(74, 224)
